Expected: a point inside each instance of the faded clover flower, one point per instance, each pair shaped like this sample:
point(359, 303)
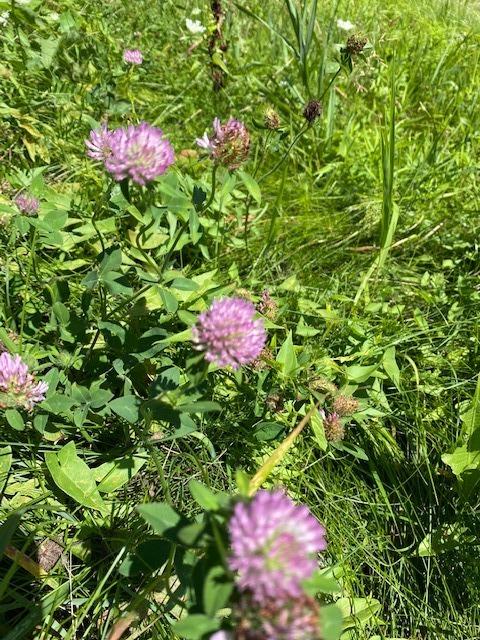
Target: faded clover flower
point(18, 387)
point(355, 45)
point(334, 429)
point(296, 619)
point(312, 111)
point(345, 405)
point(4, 16)
point(229, 334)
point(273, 544)
point(27, 204)
point(133, 56)
point(229, 144)
point(267, 306)
point(139, 152)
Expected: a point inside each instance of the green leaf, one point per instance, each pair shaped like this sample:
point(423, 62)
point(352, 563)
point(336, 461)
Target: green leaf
point(126, 407)
point(148, 557)
point(445, 538)
point(287, 358)
point(391, 367)
point(358, 611)
point(319, 431)
point(113, 475)
point(111, 261)
point(160, 516)
point(202, 406)
point(203, 495)
point(358, 373)
point(332, 618)
point(61, 312)
point(195, 626)
point(465, 458)
point(471, 417)
point(15, 419)
point(5, 464)
point(305, 330)
point(265, 431)
point(251, 185)
point(7, 529)
point(321, 583)
point(74, 477)
point(217, 590)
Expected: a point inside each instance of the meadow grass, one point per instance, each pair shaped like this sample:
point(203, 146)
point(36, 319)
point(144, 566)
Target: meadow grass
point(370, 235)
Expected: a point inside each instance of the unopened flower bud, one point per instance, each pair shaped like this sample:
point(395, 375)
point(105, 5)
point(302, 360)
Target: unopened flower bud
point(271, 119)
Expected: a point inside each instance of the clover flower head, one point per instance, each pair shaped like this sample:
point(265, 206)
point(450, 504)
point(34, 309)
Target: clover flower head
point(99, 144)
point(4, 16)
point(194, 26)
point(229, 145)
point(133, 56)
point(229, 334)
point(138, 152)
point(273, 544)
point(27, 204)
point(18, 387)
point(345, 25)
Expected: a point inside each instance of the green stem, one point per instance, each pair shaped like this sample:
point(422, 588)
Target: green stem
point(285, 155)
point(212, 192)
point(176, 239)
point(98, 232)
point(255, 171)
point(125, 189)
point(27, 285)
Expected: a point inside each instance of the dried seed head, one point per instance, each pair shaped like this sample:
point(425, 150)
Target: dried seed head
point(345, 405)
point(312, 111)
point(261, 362)
point(322, 384)
point(274, 402)
point(355, 45)
point(267, 306)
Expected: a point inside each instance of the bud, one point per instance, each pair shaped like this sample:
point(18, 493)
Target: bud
point(312, 111)
point(243, 293)
point(322, 384)
point(345, 405)
point(271, 119)
point(355, 45)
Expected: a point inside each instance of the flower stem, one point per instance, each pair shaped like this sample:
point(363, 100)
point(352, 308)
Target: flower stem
point(285, 155)
point(212, 192)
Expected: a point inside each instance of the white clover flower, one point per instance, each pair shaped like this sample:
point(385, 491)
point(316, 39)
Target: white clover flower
point(345, 25)
point(194, 26)
point(4, 16)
